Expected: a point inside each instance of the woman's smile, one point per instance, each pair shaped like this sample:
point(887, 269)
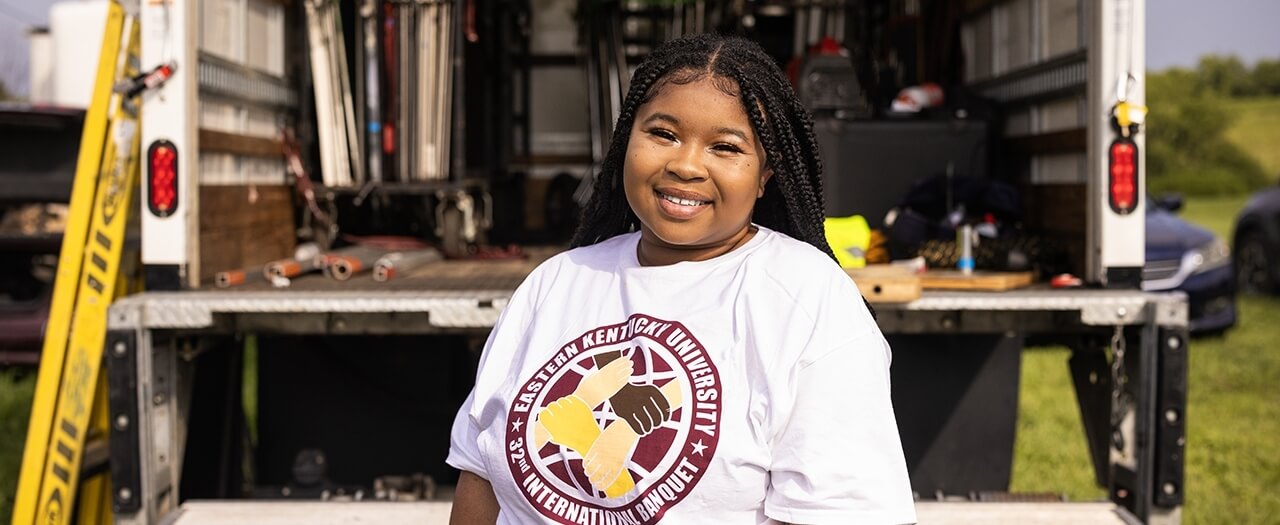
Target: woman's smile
point(681, 204)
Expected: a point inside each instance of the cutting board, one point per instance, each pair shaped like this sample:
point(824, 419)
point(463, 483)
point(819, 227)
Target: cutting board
point(882, 283)
point(976, 281)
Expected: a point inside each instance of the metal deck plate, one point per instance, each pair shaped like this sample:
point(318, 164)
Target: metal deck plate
point(479, 307)
point(196, 309)
point(1096, 307)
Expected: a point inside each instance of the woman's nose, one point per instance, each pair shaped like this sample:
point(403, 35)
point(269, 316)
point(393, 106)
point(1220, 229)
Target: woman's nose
point(686, 163)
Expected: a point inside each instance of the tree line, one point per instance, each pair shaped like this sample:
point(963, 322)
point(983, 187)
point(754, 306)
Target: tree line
point(1228, 76)
point(1187, 146)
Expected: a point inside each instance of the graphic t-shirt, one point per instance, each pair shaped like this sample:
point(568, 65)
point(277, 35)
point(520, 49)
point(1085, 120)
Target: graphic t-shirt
point(747, 388)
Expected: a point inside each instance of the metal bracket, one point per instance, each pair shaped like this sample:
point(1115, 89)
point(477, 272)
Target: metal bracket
point(1133, 312)
point(1172, 314)
point(1171, 404)
point(122, 399)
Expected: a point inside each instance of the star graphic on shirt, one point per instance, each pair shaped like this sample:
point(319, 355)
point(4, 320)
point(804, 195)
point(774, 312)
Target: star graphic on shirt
point(515, 425)
point(698, 447)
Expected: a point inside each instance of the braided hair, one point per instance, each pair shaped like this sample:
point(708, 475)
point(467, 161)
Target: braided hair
point(792, 201)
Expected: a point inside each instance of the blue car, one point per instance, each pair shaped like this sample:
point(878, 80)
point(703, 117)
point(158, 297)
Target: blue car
point(1186, 257)
point(1257, 243)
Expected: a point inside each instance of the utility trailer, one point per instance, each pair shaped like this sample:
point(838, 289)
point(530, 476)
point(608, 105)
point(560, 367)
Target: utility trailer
point(174, 353)
point(1132, 408)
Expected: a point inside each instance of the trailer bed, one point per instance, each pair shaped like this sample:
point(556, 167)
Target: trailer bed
point(146, 334)
point(468, 296)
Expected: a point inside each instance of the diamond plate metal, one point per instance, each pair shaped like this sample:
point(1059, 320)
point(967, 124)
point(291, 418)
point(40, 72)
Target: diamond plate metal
point(480, 308)
point(196, 309)
point(1100, 306)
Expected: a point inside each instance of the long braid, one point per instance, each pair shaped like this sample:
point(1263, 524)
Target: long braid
point(792, 201)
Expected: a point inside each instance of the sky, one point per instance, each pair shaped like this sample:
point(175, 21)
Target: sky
point(1178, 32)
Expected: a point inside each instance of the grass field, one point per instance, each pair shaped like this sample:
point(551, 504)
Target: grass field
point(1233, 411)
point(1257, 130)
point(15, 407)
point(1050, 454)
point(1217, 214)
point(1233, 418)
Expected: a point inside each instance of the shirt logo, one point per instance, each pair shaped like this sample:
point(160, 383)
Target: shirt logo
point(618, 426)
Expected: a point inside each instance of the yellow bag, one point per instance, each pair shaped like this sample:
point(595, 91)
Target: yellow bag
point(849, 238)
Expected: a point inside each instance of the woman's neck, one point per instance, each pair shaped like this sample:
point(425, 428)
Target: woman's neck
point(652, 251)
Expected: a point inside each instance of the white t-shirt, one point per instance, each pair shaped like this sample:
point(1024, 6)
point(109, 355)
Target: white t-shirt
point(771, 373)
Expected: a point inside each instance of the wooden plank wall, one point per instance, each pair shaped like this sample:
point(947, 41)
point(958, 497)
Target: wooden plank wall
point(242, 226)
point(1058, 212)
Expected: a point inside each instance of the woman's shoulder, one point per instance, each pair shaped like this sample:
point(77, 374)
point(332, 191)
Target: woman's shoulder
point(800, 271)
point(794, 261)
point(603, 255)
point(604, 252)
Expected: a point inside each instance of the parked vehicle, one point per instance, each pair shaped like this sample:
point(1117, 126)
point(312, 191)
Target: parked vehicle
point(1256, 243)
point(1186, 257)
point(38, 146)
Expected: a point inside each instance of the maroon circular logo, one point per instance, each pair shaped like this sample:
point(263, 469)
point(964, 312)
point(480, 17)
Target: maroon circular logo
point(618, 425)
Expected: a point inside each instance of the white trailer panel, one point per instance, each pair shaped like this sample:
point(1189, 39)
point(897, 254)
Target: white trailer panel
point(1116, 242)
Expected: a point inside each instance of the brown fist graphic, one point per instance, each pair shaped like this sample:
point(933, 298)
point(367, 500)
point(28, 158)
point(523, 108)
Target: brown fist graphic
point(643, 407)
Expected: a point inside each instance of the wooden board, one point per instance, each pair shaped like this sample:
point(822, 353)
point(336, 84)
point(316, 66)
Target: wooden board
point(977, 281)
point(886, 284)
point(242, 226)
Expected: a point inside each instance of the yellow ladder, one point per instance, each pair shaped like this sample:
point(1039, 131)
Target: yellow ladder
point(70, 396)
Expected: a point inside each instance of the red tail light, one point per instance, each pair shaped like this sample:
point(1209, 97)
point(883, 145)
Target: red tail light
point(1123, 186)
point(162, 178)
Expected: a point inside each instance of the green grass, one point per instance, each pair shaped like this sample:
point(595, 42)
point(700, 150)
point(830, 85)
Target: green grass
point(1257, 130)
point(249, 388)
point(1233, 418)
point(1050, 454)
point(1217, 214)
point(15, 408)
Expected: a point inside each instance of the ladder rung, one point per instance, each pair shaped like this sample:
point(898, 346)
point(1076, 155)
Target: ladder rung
point(96, 457)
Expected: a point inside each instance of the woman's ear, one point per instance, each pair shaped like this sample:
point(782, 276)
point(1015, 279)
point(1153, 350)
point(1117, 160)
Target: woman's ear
point(764, 179)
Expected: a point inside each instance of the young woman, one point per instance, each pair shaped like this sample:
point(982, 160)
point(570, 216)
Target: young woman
point(698, 357)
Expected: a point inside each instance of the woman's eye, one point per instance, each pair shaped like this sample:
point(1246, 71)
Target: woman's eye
point(727, 148)
point(662, 134)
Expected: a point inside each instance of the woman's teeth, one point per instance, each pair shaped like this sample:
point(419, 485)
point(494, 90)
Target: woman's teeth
point(682, 202)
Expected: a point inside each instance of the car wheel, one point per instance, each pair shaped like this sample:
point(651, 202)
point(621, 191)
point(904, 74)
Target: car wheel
point(1252, 271)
